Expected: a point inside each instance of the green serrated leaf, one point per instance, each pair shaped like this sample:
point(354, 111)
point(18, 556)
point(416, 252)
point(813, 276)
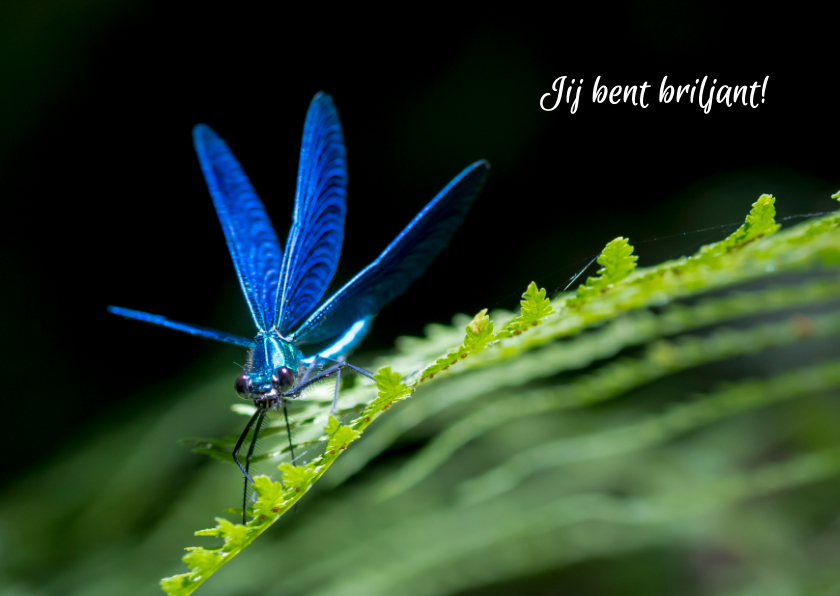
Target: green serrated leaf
point(479, 332)
point(388, 383)
point(391, 390)
point(339, 435)
point(270, 497)
point(617, 262)
point(266, 489)
point(231, 532)
point(297, 478)
point(535, 305)
point(179, 585)
point(759, 223)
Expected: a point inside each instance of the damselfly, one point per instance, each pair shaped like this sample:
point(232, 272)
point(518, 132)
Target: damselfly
point(282, 287)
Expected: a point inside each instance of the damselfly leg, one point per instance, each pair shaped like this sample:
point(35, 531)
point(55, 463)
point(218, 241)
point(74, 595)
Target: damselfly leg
point(256, 423)
point(306, 381)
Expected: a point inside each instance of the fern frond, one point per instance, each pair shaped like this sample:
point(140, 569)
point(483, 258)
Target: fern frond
point(479, 333)
point(633, 329)
point(622, 306)
point(662, 358)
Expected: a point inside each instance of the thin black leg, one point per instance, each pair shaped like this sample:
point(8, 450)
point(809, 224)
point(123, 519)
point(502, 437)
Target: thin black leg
point(335, 397)
point(289, 433)
point(257, 429)
point(295, 391)
point(258, 414)
point(362, 371)
point(310, 368)
point(242, 440)
point(358, 369)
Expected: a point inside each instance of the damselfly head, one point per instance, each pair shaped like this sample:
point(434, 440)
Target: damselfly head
point(261, 388)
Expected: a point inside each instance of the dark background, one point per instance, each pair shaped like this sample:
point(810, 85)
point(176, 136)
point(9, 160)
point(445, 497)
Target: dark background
point(104, 202)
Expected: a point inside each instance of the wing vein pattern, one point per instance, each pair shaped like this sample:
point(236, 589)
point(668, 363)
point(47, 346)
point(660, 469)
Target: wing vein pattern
point(314, 243)
point(403, 261)
point(250, 237)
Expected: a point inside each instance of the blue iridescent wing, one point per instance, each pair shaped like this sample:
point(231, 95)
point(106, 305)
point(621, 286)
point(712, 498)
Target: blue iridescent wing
point(251, 240)
point(185, 327)
point(314, 242)
point(402, 262)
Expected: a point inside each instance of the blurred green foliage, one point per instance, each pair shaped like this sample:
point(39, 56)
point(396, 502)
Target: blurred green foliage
point(674, 432)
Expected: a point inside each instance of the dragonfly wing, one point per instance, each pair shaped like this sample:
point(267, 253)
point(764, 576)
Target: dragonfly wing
point(402, 262)
point(250, 237)
point(314, 242)
point(185, 327)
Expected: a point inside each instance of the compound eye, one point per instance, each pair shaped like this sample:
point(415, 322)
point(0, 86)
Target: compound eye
point(282, 378)
point(243, 385)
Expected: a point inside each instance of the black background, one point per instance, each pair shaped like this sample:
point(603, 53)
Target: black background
point(104, 202)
